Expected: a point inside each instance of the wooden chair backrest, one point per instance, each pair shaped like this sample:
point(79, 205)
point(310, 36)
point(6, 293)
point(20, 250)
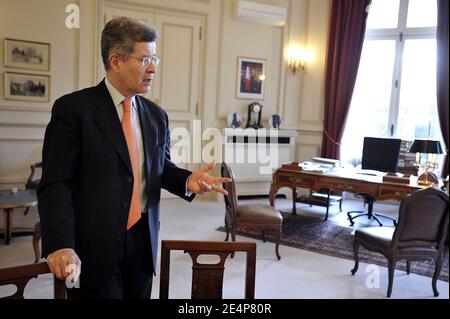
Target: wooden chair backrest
point(32, 182)
point(423, 220)
point(207, 279)
point(19, 276)
point(231, 200)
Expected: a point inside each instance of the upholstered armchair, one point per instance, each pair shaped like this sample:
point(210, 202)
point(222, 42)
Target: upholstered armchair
point(420, 234)
point(261, 217)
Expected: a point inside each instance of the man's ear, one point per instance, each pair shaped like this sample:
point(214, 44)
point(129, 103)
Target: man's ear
point(114, 62)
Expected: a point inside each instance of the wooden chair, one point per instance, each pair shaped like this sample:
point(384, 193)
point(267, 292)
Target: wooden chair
point(250, 216)
point(32, 182)
point(207, 279)
point(19, 276)
point(420, 234)
point(36, 239)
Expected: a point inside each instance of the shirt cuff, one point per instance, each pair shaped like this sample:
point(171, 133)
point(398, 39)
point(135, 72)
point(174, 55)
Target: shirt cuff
point(188, 193)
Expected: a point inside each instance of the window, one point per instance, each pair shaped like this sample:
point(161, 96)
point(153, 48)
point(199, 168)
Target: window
point(395, 90)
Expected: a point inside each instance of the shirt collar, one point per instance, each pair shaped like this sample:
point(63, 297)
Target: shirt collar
point(116, 96)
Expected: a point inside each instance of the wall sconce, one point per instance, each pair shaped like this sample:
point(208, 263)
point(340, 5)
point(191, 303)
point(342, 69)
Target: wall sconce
point(296, 65)
point(296, 59)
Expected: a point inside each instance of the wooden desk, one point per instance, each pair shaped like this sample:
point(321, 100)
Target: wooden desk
point(338, 179)
point(9, 201)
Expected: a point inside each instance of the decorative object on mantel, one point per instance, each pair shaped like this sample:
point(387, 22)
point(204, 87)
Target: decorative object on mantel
point(234, 120)
point(27, 54)
point(275, 121)
point(254, 115)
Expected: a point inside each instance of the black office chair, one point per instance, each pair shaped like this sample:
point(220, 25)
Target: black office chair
point(380, 154)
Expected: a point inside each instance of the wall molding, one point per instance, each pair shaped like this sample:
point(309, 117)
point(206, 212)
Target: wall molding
point(311, 131)
point(302, 146)
point(220, 62)
point(12, 180)
point(311, 144)
point(313, 127)
point(22, 108)
point(6, 123)
point(201, 1)
point(21, 139)
point(301, 130)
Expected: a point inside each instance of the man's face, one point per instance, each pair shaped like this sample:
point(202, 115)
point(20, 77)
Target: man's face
point(136, 78)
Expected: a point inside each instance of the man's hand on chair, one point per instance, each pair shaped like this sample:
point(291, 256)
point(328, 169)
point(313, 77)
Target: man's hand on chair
point(60, 260)
point(200, 181)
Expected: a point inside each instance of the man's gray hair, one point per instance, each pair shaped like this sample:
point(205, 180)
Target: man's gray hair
point(120, 35)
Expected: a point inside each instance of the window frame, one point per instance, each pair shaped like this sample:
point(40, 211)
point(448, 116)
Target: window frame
point(399, 35)
point(390, 125)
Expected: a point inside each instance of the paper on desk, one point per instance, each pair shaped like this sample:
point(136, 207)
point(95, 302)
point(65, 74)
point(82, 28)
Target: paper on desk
point(328, 161)
point(371, 172)
point(316, 167)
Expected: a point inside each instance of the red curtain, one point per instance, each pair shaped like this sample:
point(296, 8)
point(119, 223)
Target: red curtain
point(345, 42)
point(442, 74)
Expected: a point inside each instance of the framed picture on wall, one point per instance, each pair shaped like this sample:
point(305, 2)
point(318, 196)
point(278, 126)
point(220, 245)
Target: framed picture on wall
point(27, 55)
point(27, 87)
point(251, 75)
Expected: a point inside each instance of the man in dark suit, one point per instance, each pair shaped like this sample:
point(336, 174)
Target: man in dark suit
point(105, 159)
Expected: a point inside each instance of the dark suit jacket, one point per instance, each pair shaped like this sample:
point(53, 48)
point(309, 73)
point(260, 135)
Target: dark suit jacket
point(87, 179)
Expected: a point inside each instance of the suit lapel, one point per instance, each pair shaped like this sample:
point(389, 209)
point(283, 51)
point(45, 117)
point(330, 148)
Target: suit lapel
point(108, 120)
point(148, 129)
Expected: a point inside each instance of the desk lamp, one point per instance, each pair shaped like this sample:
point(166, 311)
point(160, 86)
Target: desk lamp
point(421, 146)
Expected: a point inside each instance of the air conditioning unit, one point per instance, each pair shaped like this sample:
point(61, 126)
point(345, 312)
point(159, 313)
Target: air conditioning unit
point(260, 13)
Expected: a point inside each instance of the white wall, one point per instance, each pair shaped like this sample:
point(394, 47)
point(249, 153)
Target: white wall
point(246, 39)
point(74, 62)
point(310, 107)
point(22, 124)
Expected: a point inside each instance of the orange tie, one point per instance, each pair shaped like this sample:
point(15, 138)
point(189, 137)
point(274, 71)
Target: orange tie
point(130, 135)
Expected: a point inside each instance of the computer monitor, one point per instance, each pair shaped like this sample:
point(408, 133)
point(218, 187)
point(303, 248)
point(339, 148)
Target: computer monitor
point(380, 154)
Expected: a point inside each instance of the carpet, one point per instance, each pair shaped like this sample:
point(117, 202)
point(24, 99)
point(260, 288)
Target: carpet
point(330, 239)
